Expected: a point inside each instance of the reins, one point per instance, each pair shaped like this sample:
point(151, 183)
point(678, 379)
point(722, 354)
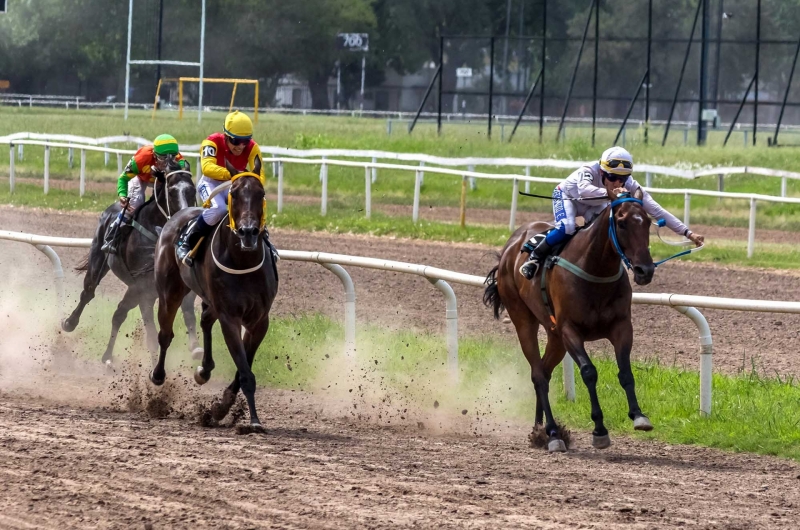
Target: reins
point(228, 269)
point(167, 214)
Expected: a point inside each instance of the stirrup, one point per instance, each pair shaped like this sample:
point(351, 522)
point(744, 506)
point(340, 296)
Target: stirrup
point(526, 267)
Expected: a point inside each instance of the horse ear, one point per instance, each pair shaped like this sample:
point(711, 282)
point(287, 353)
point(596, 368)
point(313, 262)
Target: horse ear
point(257, 166)
point(232, 170)
point(639, 193)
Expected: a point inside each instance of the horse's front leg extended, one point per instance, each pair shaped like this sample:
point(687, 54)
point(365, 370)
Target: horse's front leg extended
point(622, 339)
point(575, 346)
point(128, 302)
point(231, 329)
point(203, 372)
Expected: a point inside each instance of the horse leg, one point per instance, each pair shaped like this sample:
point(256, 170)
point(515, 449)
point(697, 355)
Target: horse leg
point(168, 305)
point(203, 372)
point(574, 344)
point(187, 307)
point(553, 355)
point(128, 302)
point(151, 335)
point(622, 339)
point(528, 332)
point(96, 270)
point(231, 331)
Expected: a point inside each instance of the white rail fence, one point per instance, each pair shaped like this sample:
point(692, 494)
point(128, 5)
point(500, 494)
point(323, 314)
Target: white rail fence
point(684, 304)
point(282, 156)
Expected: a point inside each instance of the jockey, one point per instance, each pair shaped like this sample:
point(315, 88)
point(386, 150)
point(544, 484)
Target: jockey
point(137, 177)
point(236, 145)
point(596, 181)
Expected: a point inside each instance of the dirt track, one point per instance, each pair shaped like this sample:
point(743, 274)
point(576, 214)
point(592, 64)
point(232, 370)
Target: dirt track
point(74, 455)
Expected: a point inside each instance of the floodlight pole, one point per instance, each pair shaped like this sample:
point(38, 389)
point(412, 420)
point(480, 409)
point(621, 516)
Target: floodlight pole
point(202, 55)
point(363, 67)
point(128, 61)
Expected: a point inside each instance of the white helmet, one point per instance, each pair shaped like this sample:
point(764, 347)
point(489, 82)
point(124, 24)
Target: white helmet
point(617, 161)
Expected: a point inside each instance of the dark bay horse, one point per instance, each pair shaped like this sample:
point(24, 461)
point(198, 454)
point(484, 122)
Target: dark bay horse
point(237, 280)
point(133, 263)
point(589, 299)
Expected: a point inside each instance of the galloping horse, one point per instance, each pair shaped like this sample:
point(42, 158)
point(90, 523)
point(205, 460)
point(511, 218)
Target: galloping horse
point(236, 278)
point(581, 295)
point(133, 264)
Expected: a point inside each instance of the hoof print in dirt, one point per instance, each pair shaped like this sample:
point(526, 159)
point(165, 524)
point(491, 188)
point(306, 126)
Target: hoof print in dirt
point(539, 439)
point(250, 428)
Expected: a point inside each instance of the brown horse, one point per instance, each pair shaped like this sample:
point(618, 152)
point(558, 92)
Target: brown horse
point(236, 278)
point(589, 299)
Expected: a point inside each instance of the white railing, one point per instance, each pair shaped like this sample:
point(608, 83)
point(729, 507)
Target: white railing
point(283, 156)
point(684, 304)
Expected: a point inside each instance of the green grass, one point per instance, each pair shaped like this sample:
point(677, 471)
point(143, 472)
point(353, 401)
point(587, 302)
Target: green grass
point(399, 370)
point(397, 187)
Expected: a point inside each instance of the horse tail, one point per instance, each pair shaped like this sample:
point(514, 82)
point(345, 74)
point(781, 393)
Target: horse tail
point(83, 266)
point(491, 295)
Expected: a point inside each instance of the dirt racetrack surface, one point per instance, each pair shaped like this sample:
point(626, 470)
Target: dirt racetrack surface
point(741, 340)
point(84, 448)
point(67, 466)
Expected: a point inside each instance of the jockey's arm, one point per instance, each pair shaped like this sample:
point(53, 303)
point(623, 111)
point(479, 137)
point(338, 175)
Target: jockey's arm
point(655, 210)
point(208, 162)
point(130, 171)
point(586, 188)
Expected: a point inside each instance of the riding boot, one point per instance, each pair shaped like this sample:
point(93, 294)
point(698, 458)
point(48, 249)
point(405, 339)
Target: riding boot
point(537, 257)
point(196, 231)
point(111, 239)
point(275, 256)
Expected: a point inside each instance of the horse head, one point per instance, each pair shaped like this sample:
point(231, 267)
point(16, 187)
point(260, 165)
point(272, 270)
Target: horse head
point(246, 205)
point(174, 187)
point(633, 235)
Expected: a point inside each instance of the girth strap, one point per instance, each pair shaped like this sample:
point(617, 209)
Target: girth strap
point(144, 231)
point(553, 261)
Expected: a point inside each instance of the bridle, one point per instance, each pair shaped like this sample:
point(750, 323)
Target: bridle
point(167, 214)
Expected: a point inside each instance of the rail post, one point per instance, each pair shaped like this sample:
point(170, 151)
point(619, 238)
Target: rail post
point(323, 174)
point(280, 187)
point(568, 367)
point(417, 185)
point(473, 182)
point(687, 206)
point(59, 274)
point(648, 177)
point(71, 157)
point(83, 172)
point(751, 229)
point(349, 307)
point(106, 154)
point(527, 182)
point(368, 192)
point(452, 325)
point(11, 168)
point(374, 170)
point(421, 173)
point(783, 187)
point(20, 151)
point(512, 221)
point(46, 169)
point(119, 163)
point(706, 358)
point(462, 210)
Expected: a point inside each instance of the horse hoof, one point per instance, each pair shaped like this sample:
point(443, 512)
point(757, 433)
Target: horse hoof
point(557, 446)
point(601, 442)
point(642, 424)
point(199, 376)
point(253, 428)
point(156, 381)
point(197, 353)
point(68, 326)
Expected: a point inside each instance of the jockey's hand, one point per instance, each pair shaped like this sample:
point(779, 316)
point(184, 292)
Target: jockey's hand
point(123, 201)
point(618, 191)
point(697, 239)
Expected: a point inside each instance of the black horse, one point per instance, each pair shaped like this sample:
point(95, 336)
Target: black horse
point(133, 263)
point(235, 275)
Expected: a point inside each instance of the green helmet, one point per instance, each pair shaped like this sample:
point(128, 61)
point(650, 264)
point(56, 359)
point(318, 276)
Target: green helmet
point(165, 144)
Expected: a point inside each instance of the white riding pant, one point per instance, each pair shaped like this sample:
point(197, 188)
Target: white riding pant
point(219, 204)
point(136, 195)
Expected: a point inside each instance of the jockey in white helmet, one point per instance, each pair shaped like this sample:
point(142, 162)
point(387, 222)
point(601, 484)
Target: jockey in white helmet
point(592, 184)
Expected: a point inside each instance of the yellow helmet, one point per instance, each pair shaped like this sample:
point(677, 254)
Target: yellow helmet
point(616, 161)
point(238, 125)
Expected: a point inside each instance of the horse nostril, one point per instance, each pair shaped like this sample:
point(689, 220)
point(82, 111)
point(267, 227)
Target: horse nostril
point(638, 271)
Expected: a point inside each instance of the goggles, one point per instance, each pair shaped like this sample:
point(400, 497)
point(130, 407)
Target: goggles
point(613, 164)
point(239, 140)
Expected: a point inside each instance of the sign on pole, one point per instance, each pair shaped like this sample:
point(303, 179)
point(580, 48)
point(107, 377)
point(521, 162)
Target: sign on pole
point(464, 72)
point(354, 42)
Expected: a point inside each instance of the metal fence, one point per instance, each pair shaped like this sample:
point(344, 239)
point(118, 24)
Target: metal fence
point(704, 61)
